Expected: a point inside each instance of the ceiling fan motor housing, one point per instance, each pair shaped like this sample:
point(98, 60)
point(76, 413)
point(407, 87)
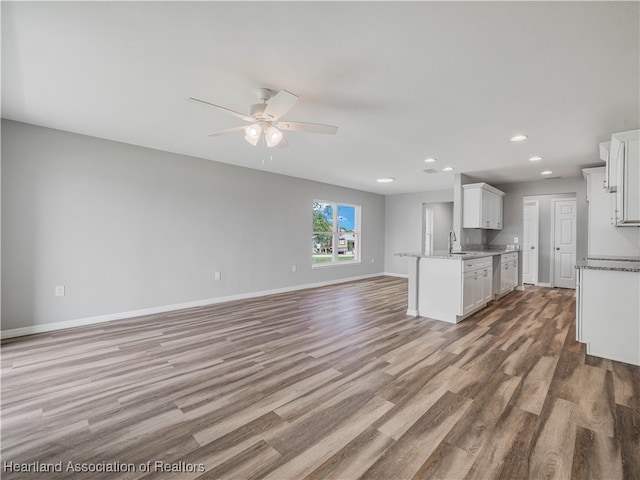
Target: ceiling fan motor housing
point(257, 110)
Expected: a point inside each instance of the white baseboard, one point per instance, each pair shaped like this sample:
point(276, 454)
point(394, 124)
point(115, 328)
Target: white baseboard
point(399, 275)
point(413, 313)
point(543, 284)
point(79, 322)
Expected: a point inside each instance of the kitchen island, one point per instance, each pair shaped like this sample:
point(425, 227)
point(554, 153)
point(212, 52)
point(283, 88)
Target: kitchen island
point(452, 286)
point(608, 307)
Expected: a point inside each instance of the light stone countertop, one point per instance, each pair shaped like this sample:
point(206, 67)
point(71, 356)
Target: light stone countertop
point(618, 264)
point(464, 255)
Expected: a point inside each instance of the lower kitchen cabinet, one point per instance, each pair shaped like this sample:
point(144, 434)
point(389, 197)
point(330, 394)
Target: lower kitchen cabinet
point(608, 313)
point(452, 289)
point(505, 274)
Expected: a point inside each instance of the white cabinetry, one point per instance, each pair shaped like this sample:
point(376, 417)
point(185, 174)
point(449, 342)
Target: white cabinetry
point(608, 314)
point(482, 206)
point(610, 180)
point(477, 284)
point(452, 289)
point(603, 238)
point(506, 274)
point(624, 163)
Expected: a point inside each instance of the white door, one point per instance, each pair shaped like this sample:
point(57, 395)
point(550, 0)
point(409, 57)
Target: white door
point(564, 243)
point(530, 242)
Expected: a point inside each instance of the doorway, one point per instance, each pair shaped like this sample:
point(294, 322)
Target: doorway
point(427, 229)
point(530, 241)
point(564, 243)
point(549, 240)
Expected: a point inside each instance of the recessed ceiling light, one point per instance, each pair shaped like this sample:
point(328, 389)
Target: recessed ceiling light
point(386, 180)
point(546, 172)
point(519, 138)
point(447, 169)
point(535, 159)
point(429, 160)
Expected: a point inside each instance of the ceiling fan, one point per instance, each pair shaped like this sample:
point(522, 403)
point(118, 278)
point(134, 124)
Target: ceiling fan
point(265, 119)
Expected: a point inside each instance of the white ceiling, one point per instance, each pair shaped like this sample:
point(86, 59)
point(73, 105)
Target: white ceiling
point(402, 80)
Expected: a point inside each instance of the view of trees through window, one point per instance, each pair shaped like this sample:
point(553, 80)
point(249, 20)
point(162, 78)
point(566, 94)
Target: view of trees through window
point(335, 233)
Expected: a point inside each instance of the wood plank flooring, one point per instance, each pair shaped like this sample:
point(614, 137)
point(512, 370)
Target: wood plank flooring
point(328, 383)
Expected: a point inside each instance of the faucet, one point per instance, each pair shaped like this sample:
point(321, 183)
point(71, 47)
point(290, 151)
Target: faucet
point(451, 233)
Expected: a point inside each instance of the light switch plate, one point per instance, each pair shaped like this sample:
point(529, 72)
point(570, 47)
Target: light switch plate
point(515, 240)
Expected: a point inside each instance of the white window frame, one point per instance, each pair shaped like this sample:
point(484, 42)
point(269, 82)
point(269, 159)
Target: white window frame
point(335, 261)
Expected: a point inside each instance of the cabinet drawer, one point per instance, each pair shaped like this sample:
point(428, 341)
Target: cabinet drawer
point(509, 257)
point(476, 263)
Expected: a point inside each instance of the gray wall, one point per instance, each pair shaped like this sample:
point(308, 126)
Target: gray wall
point(544, 190)
point(127, 228)
point(403, 226)
point(442, 224)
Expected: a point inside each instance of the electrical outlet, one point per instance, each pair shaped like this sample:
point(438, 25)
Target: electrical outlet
point(515, 240)
point(294, 268)
point(373, 260)
point(59, 290)
point(218, 276)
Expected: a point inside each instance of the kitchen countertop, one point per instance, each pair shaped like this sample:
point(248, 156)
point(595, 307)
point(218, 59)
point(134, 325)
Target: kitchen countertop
point(464, 255)
point(618, 264)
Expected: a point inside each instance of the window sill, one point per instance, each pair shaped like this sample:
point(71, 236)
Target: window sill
point(337, 264)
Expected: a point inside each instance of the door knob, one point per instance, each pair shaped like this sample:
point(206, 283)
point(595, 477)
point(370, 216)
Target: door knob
point(532, 247)
point(557, 248)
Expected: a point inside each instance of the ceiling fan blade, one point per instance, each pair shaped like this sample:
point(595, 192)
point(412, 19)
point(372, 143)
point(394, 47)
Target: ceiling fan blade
point(228, 130)
point(308, 127)
point(226, 110)
point(280, 104)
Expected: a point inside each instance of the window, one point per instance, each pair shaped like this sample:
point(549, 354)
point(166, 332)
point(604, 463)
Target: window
point(336, 233)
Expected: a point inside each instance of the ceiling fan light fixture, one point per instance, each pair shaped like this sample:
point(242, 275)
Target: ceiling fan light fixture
point(252, 134)
point(272, 136)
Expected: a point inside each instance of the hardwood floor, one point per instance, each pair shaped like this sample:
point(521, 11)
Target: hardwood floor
point(329, 383)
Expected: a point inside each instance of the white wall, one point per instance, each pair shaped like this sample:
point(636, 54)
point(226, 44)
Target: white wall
point(127, 228)
point(403, 230)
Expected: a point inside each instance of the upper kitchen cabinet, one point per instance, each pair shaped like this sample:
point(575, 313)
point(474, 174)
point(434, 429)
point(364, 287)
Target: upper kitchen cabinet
point(624, 164)
point(610, 181)
point(604, 238)
point(482, 206)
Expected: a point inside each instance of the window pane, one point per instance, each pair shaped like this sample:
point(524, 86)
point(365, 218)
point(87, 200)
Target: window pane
point(347, 238)
point(322, 217)
point(322, 248)
point(347, 218)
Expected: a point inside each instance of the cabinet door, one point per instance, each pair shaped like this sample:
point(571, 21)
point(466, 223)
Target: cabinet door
point(504, 277)
point(487, 285)
point(487, 209)
point(472, 208)
point(631, 207)
point(491, 210)
point(469, 291)
point(628, 175)
point(498, 212)
point(611, 168)
point(478, 294)
point(513, 279)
